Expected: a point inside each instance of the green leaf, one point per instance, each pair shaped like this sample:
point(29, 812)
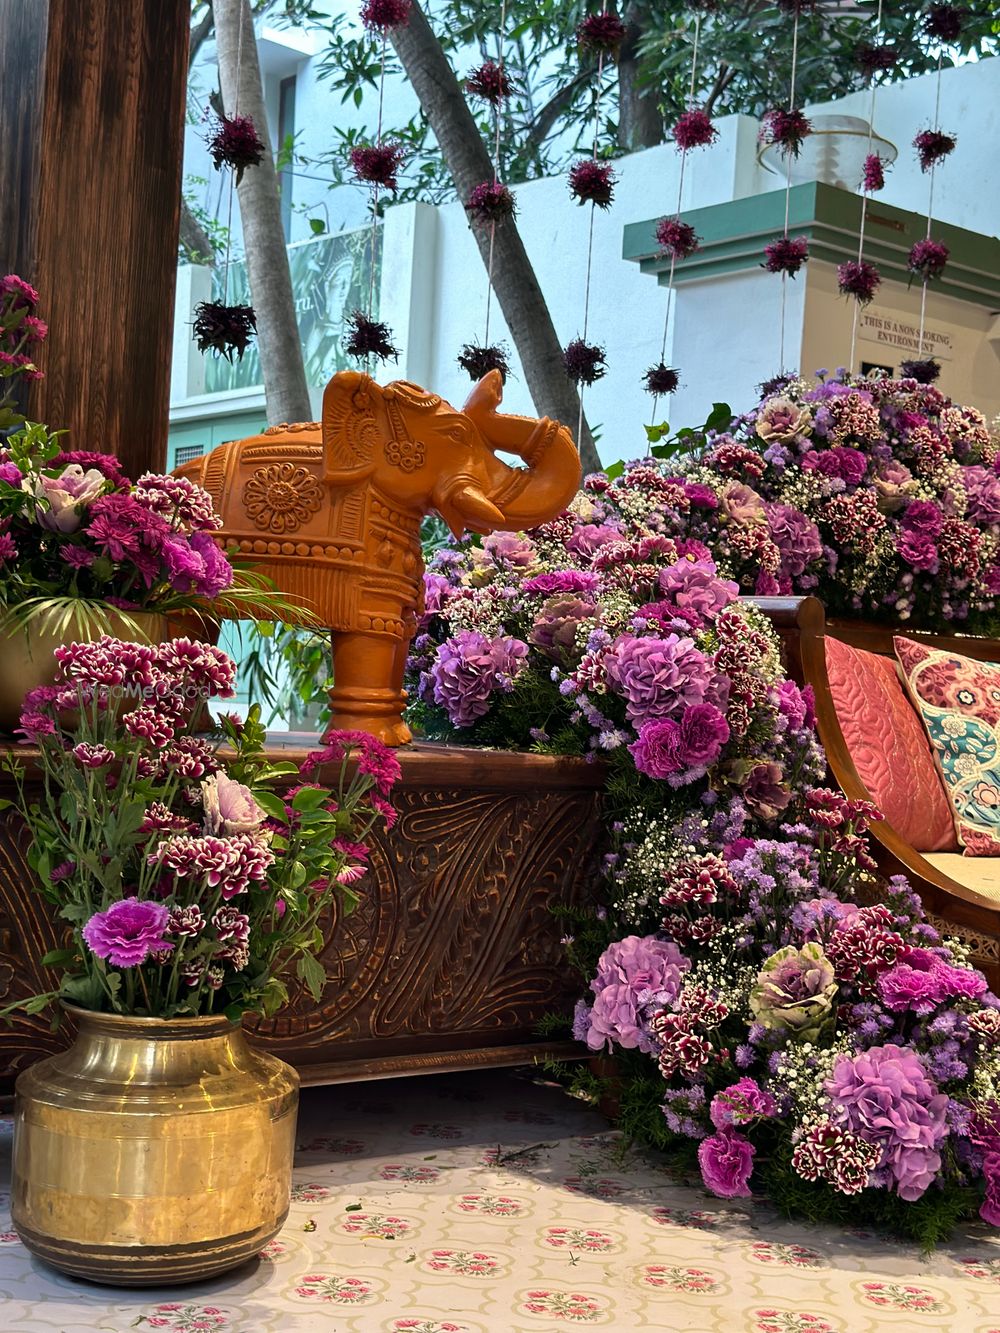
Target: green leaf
point(614, 471)
point(271, 804)
point(317, 226)
point(309, 798)
point(353, 1208)
point(59, 957)
point(719, 417)
point(654, 433)
point(311, 972)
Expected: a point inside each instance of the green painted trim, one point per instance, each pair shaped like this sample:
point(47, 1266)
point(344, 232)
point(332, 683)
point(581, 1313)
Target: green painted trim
point(733, 237)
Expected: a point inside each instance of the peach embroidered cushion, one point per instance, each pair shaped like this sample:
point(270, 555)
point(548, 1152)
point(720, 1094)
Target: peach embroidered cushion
point(889, 746)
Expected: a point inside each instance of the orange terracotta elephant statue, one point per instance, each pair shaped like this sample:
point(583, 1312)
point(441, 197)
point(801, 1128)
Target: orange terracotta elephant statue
point(330, 511)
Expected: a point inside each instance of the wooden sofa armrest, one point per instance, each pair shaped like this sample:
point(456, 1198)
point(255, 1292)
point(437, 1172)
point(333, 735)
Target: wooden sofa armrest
point(802, 626)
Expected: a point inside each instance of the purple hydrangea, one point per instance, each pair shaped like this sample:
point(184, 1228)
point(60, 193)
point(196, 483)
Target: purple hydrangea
point(885, 1096)
point(633, 974)
point(469, 669)
point(658, 677)
point(128, 932)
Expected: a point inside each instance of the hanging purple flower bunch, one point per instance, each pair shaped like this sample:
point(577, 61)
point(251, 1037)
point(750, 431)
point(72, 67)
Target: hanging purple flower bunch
point(583, 362)
point(224, 329)
point(928, 258)
point(384, 15)
point(602, 34)
point(873, 174)
point(694, 129)
point(592, 182)
point(490, 202)
point(476, 360)
point(235, 143)
point(932, 147)
point(858, 279)
point(377, 164)
point(367, 337)
point(945, 22)
point(676, 238)
point(786, 255)
point(491, 82)
point(661, 379)
point(924, 372)
point(786, 129)
point(875, 59)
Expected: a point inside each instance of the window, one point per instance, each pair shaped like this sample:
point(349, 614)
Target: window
point(185, 452)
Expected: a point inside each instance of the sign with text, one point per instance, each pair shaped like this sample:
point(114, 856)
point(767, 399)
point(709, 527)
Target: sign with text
point(891, 330)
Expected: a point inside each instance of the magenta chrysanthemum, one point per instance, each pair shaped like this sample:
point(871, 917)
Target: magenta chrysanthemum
point(924, 372)
point(584, 362)
point(945, 22)
point(367, 337)
point(491, 82)
point(377, 164)
point(661, 379)
point(20, 294)
point(694, 129)
point(928, 258)
point(858, 279)
point(932, 147)
point(490, 202)
point(476, 360)
point(786, 255)
point(875, 59)
point(785, 129)
point(873, 174)
point(592, 182)
point(601, 33)
point(236, 143)
point(676, 238)
point(224, 329)
point(384, 15)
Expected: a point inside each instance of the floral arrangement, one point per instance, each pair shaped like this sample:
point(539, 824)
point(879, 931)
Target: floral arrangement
point(77, 537)
point(768, 1015)
point(192, 879)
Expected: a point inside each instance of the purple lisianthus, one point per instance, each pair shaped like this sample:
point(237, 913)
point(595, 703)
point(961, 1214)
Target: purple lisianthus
point(885, 1096)
point(657, 751)
point(796, 537)
point(693, 585)
point(632, 974)
point(469, 669)
point(128, 932)
point(741, 1103)
point(726, 1161)
point(657, 677)
point(563, 580)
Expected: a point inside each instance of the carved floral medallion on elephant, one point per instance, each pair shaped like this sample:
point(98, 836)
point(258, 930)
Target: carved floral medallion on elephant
point(381, 459)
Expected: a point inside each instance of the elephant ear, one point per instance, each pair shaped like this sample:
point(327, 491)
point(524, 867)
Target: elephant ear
point(350, 430)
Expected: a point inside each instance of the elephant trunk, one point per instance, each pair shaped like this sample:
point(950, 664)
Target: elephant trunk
point(541, 491)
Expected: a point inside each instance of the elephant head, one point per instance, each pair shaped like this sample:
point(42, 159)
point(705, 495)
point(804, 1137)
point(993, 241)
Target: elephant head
point(417, 450)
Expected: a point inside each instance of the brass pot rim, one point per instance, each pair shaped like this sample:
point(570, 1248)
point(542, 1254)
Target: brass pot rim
point(174, 1029)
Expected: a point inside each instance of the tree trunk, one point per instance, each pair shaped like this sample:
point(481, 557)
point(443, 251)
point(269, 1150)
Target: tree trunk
point(640, 123)
point(514, 281)
point(260, 210)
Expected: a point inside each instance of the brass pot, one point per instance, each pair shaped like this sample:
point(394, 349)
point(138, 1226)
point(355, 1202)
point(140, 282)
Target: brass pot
point(153, 1151)
point(26, 660)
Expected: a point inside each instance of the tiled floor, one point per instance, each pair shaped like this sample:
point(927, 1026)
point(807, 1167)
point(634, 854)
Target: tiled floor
point(486, 1204)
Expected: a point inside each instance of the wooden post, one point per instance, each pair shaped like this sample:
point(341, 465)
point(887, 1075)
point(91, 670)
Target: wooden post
point(92, 99)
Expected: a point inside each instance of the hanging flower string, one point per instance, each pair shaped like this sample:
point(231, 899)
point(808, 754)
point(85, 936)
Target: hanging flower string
point(490, 204)
point(593, 182)
point(857, 278)
point(676, 238)
point(928, 258)
point(376, 165)
point(786, 129)
point(234, 143)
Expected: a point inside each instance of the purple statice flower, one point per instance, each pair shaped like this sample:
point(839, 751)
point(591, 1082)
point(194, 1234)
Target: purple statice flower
point(634, 974)
point(684, 1111)
point(694, 585)
point(796, 537)
point(726, 1161)
point(658, 677)
point(469, 669)
point(581, 1020)
point(128, 932)
point(740, 1104)
point(563, 580)
point(885, 1096)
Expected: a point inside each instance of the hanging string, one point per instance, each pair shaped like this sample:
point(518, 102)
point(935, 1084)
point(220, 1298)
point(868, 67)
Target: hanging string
point(232, 175)
point(788, 188)
point(866, 192)
point(930, 204)
point(677, 213)
point(497, 174)
point(373, 244)
point(590, 232)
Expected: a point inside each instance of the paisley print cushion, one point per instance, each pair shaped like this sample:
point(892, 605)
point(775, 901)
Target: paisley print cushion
point(889, 746)
point(959, 701)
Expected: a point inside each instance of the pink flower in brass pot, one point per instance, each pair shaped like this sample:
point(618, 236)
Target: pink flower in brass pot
point(128, 932)
point(63, 496)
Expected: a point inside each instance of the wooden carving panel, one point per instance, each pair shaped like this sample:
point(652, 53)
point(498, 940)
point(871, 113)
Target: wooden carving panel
point(453, 948)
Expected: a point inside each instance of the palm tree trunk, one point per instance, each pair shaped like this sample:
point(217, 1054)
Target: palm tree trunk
point(260, 210)
point(514, 281)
